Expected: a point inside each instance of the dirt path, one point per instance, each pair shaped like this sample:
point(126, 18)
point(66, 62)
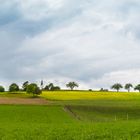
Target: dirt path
point(22, 101)
point(68, 109)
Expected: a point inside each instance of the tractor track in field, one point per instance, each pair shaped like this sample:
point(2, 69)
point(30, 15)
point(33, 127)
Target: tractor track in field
point(69, 110)
point(22, 101)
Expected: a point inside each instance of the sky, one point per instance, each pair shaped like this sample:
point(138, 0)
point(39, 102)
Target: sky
point(94, 43)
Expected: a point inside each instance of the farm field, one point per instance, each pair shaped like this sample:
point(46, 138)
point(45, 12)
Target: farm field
point(89, 95)
point(77, 115)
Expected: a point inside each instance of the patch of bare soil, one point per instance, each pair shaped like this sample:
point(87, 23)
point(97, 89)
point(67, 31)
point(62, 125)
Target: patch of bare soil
point(22, 101)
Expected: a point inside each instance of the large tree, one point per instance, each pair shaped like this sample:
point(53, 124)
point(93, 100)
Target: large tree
point(128, 87)
point(13, 87)
point(137, 87)
point(117, 86)
point(2, 89)
point(72, 85)
point(33, 89)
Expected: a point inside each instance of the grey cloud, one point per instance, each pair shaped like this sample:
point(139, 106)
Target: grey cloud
point(85, 41)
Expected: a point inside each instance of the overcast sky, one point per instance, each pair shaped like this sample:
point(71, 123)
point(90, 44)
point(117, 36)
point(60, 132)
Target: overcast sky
point(95, 43)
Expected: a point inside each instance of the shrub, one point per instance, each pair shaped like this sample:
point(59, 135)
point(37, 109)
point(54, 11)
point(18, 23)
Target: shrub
point(55, 88)
point(105, 90)
point(51, 87)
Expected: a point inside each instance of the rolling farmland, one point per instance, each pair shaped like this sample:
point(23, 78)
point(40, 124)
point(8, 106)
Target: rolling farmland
point(73, 115)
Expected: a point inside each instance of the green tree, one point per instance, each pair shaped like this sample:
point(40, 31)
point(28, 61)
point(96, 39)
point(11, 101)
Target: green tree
point(13, 87)
point(137, 87)
point(33, 89)
point(46, 87)
point(128, 87)
point(72, 85)
point(51, 87)
point(2, 89)
point(117, 86)
point(55, 88)
point(24, 86)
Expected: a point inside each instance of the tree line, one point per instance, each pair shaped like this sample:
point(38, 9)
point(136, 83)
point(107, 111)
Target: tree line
point(127, 87)
point(33, 88)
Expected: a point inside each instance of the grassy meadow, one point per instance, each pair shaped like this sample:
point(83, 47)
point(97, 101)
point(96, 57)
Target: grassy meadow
point(73, 115)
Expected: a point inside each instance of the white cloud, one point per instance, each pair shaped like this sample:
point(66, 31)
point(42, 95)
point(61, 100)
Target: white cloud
point(92, 42)
point(37, 10)
point(123, 77)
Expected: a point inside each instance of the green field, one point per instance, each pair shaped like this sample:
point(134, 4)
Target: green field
point(77, 115)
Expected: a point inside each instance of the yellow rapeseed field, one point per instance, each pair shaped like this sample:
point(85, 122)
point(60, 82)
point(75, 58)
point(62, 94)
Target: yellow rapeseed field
point(88, 95)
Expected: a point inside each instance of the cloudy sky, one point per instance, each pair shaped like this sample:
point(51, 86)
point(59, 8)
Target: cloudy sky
point(96, 43)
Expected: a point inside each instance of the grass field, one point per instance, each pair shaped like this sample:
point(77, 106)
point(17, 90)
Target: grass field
point(52, 122)
point(77, 115)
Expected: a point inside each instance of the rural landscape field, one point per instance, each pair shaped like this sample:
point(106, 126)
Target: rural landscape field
point(69, 69)
point(71, 115)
